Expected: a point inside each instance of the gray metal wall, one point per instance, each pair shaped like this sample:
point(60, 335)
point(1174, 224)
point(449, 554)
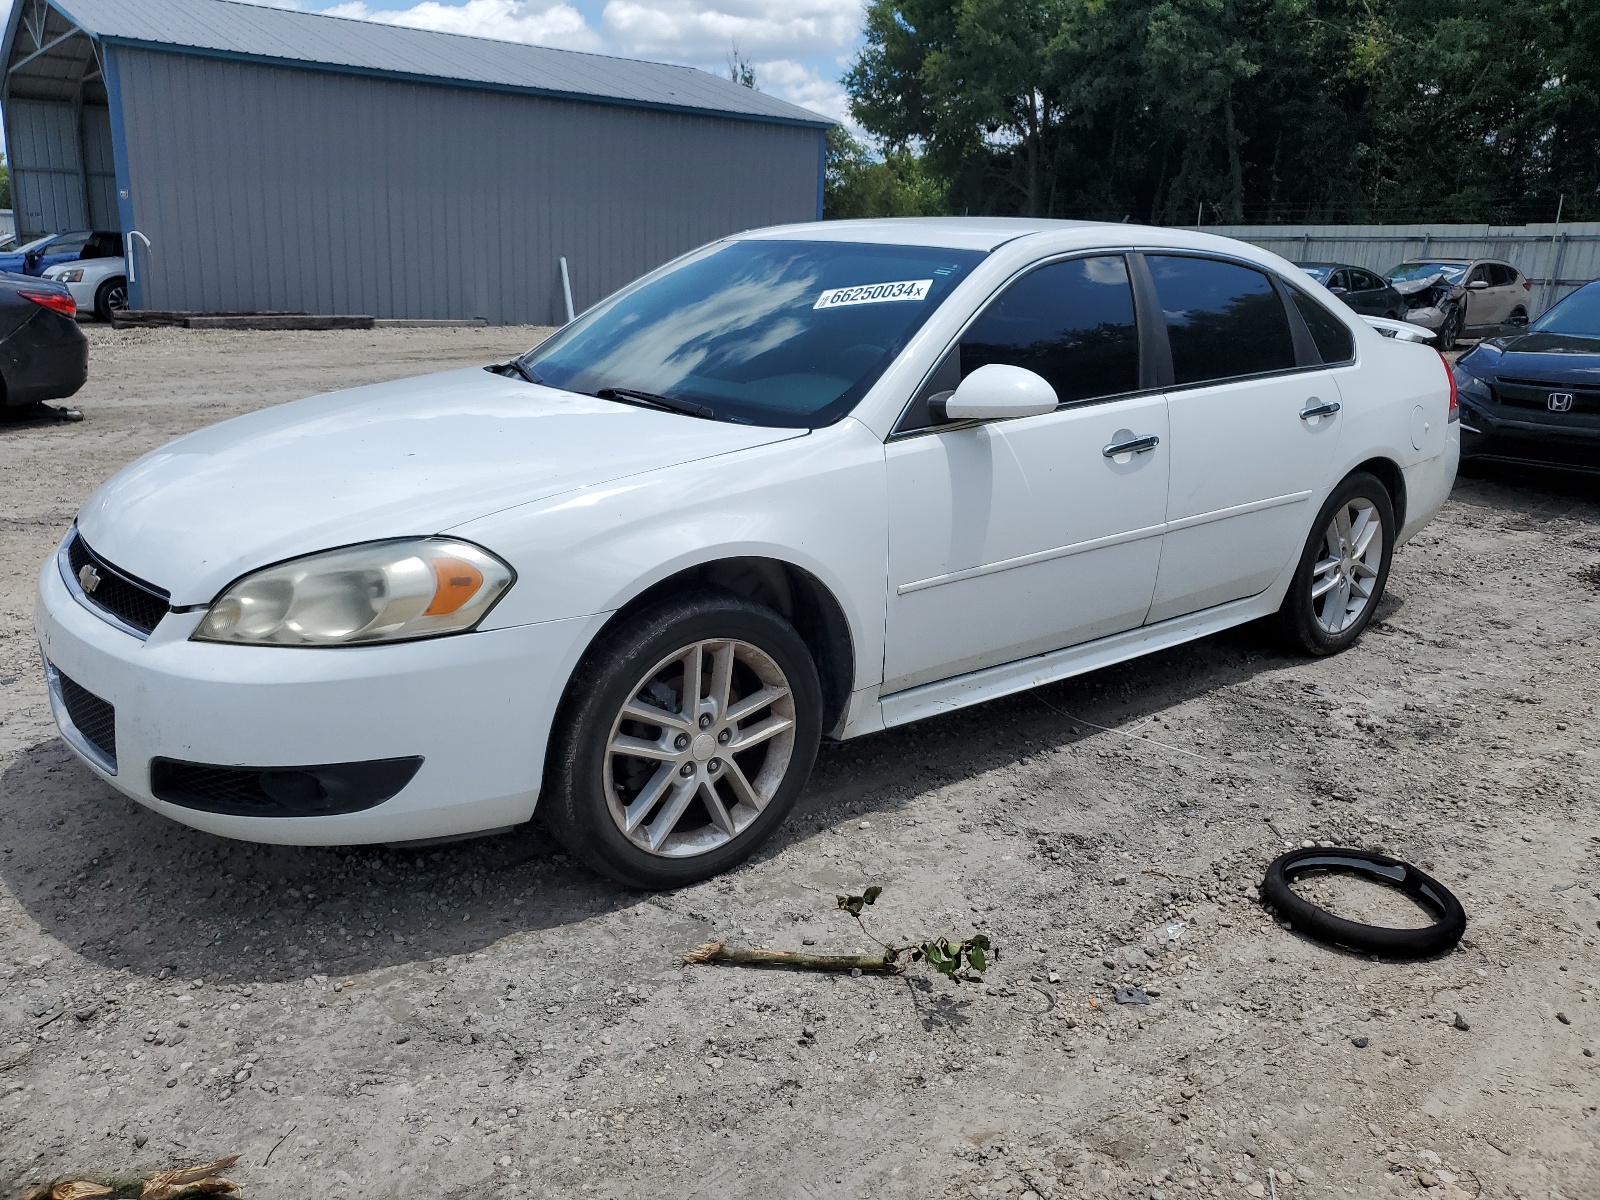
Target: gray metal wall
point(1557, 258)
point(267, 188)
point(62, 177)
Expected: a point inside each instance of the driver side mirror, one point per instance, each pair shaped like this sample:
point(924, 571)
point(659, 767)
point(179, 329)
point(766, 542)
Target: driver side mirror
point(1478, 285)
point(995, 392)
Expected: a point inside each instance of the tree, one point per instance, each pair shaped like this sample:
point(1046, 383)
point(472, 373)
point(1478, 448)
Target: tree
point(857, 185)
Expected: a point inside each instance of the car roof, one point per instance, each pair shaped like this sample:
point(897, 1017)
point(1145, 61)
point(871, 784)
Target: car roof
point(990, 233)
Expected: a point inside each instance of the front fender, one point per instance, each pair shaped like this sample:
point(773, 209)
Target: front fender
point(817, 502)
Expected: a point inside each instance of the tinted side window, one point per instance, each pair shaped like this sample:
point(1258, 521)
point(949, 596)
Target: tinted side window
point(1501, 276)
point(1071, 322)
point(1223, 320)
point(1368, 282)
point(1333, 339)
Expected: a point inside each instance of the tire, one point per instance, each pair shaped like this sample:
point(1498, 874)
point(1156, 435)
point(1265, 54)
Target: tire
point(1309, 620)
point(1450, 330)
point(1450, 920)
point(696, 809)
point(111, 296)
point(1391, 315)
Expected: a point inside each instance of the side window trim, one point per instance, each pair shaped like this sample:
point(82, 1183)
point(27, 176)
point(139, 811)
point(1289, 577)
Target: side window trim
point(1142, 326)
point(1155, 351)
point(1306, 355)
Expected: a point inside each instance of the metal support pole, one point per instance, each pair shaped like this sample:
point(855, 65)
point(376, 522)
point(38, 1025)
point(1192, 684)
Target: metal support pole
point(566, 289)
point(1555, 270)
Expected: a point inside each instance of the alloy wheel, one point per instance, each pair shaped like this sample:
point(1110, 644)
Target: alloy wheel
point(117, 298)
point(1346, 575)
point(700, 748)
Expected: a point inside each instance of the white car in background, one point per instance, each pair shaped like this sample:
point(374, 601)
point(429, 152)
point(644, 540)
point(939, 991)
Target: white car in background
point(99, 285)
point(802, 482)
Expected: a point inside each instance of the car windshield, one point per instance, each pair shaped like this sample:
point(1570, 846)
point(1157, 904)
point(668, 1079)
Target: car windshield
point(761, 332)
point(1578, 314)
point(12, 246)
point(1317, 271)
point(1406, 272)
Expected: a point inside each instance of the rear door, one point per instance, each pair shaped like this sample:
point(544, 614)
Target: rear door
point(1254, 426)
point(1372, 292)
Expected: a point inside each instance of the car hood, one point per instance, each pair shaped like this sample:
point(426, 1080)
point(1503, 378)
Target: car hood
point(412, 457)
point(1539, 357)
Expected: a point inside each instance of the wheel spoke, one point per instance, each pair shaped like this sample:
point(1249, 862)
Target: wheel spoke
point(637, 710)
point(646, 800)
point(755, 702)
point(640, 748)
point(1326, 565)
point(759, 733)
point(720, 817)
point(1342, 524)
point(741, 785)
point(672, 812)
point(1341, 604)
point(1319, 590)
point(1360, 568)
point(1366, 529)
point(722, 676)
point(691, 681)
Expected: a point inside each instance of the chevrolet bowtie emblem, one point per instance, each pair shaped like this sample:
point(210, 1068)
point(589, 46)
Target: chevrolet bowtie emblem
point(88, 577)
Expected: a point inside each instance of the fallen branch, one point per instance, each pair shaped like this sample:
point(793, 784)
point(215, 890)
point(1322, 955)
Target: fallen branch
point(176, 1184)
point(958, 961)
point(750, 956)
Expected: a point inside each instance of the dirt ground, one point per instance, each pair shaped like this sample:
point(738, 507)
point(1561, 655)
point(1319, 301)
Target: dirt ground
point(488, 1019)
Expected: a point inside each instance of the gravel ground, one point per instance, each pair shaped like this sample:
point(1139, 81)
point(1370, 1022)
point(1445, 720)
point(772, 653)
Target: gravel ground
point(486, 1018)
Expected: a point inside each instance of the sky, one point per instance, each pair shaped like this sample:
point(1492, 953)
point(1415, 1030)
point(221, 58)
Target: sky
point(799, 48)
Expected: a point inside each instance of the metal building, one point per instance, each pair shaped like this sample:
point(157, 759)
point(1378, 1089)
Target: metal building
point(287, 161)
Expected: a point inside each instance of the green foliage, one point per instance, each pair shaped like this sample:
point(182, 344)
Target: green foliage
point(5, 183)
point(1258, 110)
point(960, 962)
point(853, 904)
point(900, 184)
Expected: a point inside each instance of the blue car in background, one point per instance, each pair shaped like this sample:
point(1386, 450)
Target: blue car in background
point(33, 258)
point(1534, 398)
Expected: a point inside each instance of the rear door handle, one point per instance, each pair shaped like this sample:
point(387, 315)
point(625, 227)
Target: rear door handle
point(1316, 408)
point(1138, 445)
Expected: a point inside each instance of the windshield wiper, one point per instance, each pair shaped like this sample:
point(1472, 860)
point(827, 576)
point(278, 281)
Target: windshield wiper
point(671, 403)
point(515, 365)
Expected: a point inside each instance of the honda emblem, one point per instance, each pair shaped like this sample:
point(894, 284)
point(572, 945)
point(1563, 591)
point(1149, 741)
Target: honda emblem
point(88, 578)
point(1559, 401)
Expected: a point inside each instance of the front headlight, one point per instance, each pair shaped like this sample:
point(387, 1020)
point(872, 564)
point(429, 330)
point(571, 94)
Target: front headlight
point(380, 592)
point(75, 275)
point(1471, 387)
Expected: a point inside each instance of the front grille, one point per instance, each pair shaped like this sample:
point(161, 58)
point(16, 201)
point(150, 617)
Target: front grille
point(315, 791)
point(94, 718)
point(1531, 393)
point(135, 603)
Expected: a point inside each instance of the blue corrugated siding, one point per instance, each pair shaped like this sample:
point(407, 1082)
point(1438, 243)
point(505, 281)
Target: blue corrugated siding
point(273, 188)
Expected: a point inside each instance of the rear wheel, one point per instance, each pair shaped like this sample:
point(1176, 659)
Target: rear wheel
point(683, 742)
point(111, 297)
point(1450, 330)
point(1343, 569)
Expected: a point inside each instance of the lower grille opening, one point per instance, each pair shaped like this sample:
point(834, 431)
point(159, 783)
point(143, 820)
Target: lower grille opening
point(328, 789)
point(95, 719)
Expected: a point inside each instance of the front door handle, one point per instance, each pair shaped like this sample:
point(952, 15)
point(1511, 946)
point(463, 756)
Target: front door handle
point(1137, 445)
point(1315, 408)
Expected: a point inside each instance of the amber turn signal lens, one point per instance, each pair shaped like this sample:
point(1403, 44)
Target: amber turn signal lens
point(458, 582)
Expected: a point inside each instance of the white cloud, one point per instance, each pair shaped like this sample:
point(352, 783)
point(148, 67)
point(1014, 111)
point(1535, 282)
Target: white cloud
point(700, 32)
point(803, 85)
point(541, 22)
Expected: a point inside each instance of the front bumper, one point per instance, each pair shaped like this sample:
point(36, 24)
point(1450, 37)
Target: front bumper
point(1496, 438)
point(476, 708)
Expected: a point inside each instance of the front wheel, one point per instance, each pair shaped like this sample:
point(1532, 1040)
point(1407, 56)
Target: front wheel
point(1343, 569)
point(1450, 329)
point(683, 742)
point(111, 297)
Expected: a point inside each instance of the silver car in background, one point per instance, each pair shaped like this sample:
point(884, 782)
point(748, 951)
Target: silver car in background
point(1462, 297)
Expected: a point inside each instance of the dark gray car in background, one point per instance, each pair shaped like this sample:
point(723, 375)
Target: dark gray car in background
point(1367, 292)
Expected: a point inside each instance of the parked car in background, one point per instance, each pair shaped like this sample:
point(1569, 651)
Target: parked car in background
point(99, 285)
point(39, 255)
point(43, 353)
point(1534, 398)
point(1463, 297)
point(1367, 293)
point(814, 480)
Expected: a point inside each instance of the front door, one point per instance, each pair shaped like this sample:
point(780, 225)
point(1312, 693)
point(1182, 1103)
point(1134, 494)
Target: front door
point(1250, 454)
point(1013, 538)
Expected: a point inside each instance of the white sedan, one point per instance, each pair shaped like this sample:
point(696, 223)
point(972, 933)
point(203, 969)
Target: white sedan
point(99, 285)
point(804, 482)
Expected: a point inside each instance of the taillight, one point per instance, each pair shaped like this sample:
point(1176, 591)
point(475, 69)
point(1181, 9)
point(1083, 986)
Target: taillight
point(1527, 285)
point(55, 301)
point(1455, 394)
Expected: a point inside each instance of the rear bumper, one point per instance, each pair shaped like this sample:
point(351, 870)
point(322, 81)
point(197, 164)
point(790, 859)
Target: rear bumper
point(45, 358)
point(476, 708)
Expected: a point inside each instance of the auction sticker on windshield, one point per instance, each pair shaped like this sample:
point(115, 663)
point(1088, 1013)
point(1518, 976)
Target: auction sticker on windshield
point(874, 293)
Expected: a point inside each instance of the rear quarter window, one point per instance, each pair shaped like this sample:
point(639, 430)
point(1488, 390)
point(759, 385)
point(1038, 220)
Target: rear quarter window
point(1335, 344)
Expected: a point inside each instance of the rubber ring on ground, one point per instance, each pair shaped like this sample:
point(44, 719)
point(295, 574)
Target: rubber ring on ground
point(1450, 920)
